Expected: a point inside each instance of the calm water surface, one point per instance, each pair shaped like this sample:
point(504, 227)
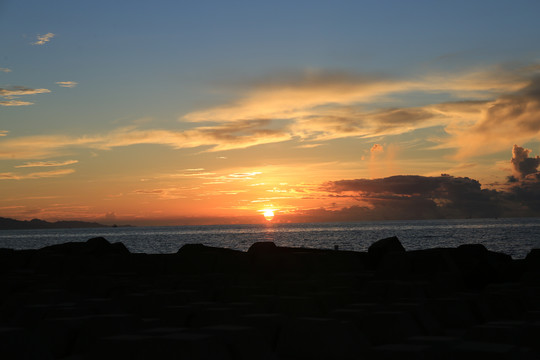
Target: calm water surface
point(512, 236)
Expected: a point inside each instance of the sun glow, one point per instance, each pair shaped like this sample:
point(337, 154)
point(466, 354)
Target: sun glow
point(268, 214)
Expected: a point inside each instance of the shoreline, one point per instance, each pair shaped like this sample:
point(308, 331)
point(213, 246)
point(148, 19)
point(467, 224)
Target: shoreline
point(96, 299)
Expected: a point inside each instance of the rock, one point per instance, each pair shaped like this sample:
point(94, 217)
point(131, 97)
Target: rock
point(479, 267)
point(394, 265)
point(317, 338)
point(472, 250)
point(263, 247)
point(202, 258)
point(86, 300)
point(100, 246)
point(193, 248)
point(380, 248)
point(96, 246)
point(533, 260)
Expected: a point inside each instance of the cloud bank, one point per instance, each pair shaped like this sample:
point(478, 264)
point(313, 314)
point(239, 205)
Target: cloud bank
point(405, 197)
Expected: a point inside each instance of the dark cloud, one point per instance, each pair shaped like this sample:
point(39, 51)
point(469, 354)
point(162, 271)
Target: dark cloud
point(445, 196)
point(399, 184)
point(420, 197)
point(526, 194)
point(525, 183)
point(522, 164)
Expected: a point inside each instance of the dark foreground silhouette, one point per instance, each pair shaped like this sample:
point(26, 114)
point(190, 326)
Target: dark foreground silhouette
point(96, 300)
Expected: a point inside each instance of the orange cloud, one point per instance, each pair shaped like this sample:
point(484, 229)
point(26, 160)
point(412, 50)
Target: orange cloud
point(512, 117)
point(216, 138)
point(377, 148)
point(320, 105)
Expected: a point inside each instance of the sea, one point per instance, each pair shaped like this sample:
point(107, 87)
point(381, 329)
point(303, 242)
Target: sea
point(515, 237)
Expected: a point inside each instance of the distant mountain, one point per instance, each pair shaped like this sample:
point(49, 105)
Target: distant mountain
point(12, 224)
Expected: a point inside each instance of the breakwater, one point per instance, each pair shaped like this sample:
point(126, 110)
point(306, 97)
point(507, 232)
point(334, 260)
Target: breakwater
point(95, 299)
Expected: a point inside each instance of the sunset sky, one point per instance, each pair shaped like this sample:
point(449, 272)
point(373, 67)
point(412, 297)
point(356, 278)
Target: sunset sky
point(203, 112)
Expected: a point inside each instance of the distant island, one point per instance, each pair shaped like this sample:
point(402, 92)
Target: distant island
point(12, 224)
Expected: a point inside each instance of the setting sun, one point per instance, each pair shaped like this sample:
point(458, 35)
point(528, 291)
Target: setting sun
point(268, 214)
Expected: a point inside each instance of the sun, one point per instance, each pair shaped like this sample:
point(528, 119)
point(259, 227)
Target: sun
point(268, 214)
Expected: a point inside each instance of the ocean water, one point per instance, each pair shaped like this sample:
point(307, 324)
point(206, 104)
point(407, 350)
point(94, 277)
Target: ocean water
point(515, 237)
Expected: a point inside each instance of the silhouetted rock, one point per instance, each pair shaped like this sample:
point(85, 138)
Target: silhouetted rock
point(202, 258)
point(263, 247)
point(380, 248)
point(472, 250)
point(533, 260)
point(95, 299)
point(478, 266)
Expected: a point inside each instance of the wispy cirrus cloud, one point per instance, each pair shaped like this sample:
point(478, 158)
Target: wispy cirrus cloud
point(68, 84)
point(43, 39)
point(320, 106)
point(47, 163)
point(314, 107)
point(164, 193)
point(35, 175)
point(216, 177)
point(3, 132)
point(21, 90)
point(15, 103)
point(304, 94)
point(6, 70)
point(215, 138)
point(10, 94)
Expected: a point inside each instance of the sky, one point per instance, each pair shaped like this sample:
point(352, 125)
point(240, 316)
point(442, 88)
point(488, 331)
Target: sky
point(214, 112)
